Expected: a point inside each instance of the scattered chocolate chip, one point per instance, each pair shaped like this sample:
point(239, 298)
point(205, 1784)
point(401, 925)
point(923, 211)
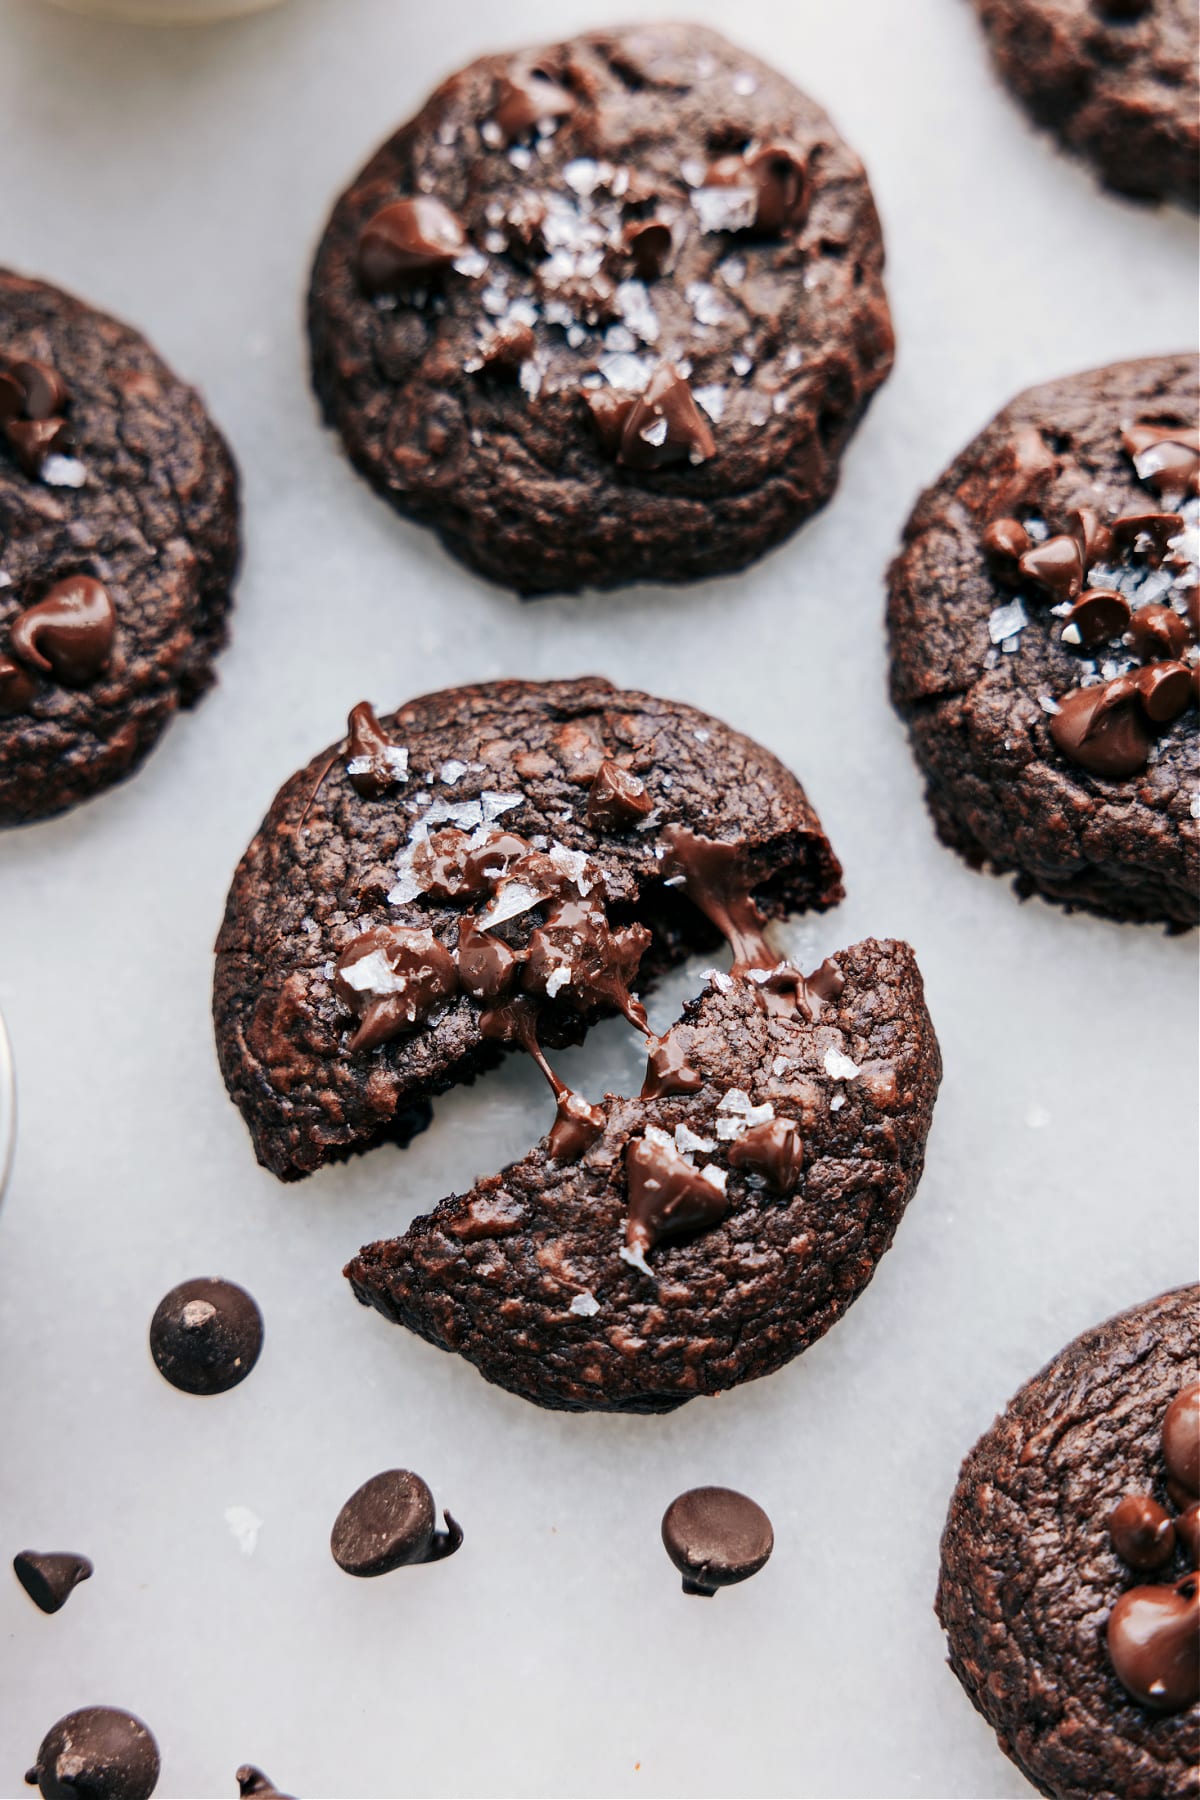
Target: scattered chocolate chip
point(716, 1537)
point(17, 688)
point(487, 967)
point(1141, 1531)
point(1187, 1531)
point(1091, 534)
point(1006, 539)
point(1156, 631)
point(668, 1070)
point(389, 1523)
point(668, 1195)
point(617, 800)
point(1056, 565)
point(33, 440)
point(656, 428)
point(1097, 617)
point(780, 179)
point(43, 390)
point(391, 978)
point(205, 1336)
point(530, 99)
point(1154, 1644)
point(1102, 729)
point(68, 634)
point(1181, 1439)
point(373, 762)
point(649, 243)
point(774, 1150)
point(715, 880)
point(1024, 469)
point(405, 243)
point(1167, 689)
point(577, 955)
point(1149, 532)
point(49, 1577)
point(576, 1126)
point(253, 1783)
point(1166, 457)
point(97, 1753)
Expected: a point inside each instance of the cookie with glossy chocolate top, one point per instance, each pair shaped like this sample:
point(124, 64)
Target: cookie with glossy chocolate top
point(382, 943)
point(1115, 80)
point(604, 312)
point(118, 547)
point(660, 1264)
point(1082, 1658)
point(1043, 620)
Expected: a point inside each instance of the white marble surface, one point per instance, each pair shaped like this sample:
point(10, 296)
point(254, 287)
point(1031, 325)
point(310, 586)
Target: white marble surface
point(180, 179)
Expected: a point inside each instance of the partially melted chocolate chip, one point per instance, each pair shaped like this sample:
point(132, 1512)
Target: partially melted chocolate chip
point(1154, 1644)
point(716, 1538)
point(527, 99)
point(773, 1150)
point(617, 800)
point(17, 688)
point(374, 764)
point(67, 635)
point(33, 397)
point(1141, 1531)
point(407, 242)
point(1181, 1440)
point(654, 429)
point(389, 1523)
point(391, 978)
point(668, 1194)
point(1102, 728)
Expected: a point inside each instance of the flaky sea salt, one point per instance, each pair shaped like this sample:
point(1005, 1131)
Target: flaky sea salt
point(584, 1306)
point(839, 1067)
point(1007, 621)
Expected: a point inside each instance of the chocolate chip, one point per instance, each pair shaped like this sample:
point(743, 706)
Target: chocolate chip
point(487, 967)
point(17, 688)
point(1154, 1644)
point(649, 243)
point(1166, 457)
point(668, 1195)
point(49, 1577)
point(388, 1523)
point(43, 390)
point(1091, 534)
point(527, 100)
point(33, 440)
point(1148, 531)
point(1102, 729)
point(668, 1070)
point(1156, 631)
point(715, 879)
point(1187, 1531)
point(1167, 689)
point(576, 1126)
point(253, 1783)
point(656, 428)
point(780, 179)
point(405, 243)
point(205, 1336)
point(1097, 617)
point(1141, 1531)
point(774, 1150)
point(391, 978)
point(1181, 1439)
point(617, 800)
point(1024, 469)
point(716, 1537)
point(1006, 539)
point(97, 1753)
point(1056, 565)
point(68, 634)
point(576, 954)
point(374, 763)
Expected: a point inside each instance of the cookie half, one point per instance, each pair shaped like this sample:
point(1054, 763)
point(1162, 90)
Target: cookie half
point(604, 312)
point(118, 547)
point(1043, 615)
point(1068, 1585)
point(1115, 80)
point(391, 900)
point(711, 1229)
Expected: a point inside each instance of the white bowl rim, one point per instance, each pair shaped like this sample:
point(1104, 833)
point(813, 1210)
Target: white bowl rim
point(8, 1108)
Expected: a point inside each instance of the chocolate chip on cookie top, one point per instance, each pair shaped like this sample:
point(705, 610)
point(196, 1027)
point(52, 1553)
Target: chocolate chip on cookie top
point(118, 545)
point(1124, 587)
point(1153, 1632)
point(587, 294)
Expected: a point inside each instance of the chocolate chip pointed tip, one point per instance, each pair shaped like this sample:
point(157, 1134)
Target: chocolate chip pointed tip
point(50, 1577)
point(716, 1537)
point(206, 1336)
point(97, 1753)
point(253, 1783)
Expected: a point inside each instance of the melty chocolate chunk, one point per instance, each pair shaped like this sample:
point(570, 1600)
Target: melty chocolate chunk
point(1102, 728)
point(650, 244)
point(1153, 1639)
point(1166, 457)
point(1142, 1532)
point(391, 978)
point(652, 430)
point(97, 1753)
point(529, 99)
point(1097, 617)
point(1156, 631)
point(617, 800)
point(1056, 565)
point(668, 1194)
point(33, 397)
point(577, 1125)
point(389, 1523)
point(775, 179)
point(577, 955)
point(17, 687)
point(668, 1070)
point(407, 242)
point(1181, 1440)
point(50, 1577)
point(67, 635)
point(373, 762)
point(487, 966)
point(773, 1150)
point(715, 880)
point(1167, 689)
point(716, 1538)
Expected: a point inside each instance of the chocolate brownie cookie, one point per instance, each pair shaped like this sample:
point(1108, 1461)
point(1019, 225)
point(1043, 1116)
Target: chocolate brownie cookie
point(707, 1231)
point(483, 862)
point(1068, 1589)
point(1043, 617)
point(1115, 80)
point(604, 312)
point(118, 547)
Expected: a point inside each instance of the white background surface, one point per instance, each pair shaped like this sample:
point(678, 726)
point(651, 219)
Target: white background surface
point(180, 180)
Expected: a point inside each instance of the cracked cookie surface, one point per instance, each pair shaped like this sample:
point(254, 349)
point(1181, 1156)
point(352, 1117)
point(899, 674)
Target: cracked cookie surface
point(118, 547)
point(1057, 558)
point(604, 312)
point(1115, 80)
point(1030, 1575)
point(569, 786)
